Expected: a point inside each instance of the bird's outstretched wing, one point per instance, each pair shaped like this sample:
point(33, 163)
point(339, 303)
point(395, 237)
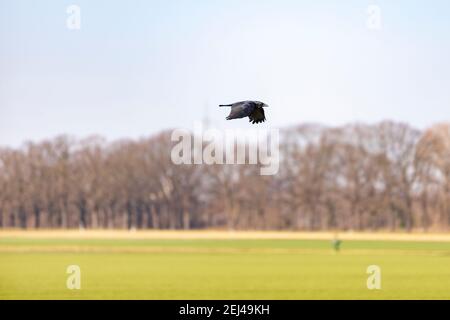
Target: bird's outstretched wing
point(241, 110)
point(257, 115)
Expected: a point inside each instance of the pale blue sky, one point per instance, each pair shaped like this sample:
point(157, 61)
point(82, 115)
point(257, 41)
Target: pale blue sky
point(137, 67)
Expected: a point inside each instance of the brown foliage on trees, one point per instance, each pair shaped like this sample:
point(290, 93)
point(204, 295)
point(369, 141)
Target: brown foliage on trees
point(359, 177)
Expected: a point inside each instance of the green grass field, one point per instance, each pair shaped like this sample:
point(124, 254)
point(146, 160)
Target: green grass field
point(221, 269)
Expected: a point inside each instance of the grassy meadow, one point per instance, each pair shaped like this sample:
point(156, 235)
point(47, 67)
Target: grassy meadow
point(221, 265)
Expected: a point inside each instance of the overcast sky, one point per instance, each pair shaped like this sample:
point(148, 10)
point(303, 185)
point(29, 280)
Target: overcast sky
point(137, 67)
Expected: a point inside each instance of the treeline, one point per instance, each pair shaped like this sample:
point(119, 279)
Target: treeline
point(386, 176)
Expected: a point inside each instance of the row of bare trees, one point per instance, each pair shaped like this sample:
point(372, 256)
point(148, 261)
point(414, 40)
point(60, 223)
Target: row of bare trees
point(358, 177)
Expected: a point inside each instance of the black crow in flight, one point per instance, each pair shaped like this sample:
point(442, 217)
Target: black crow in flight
point(251, 109)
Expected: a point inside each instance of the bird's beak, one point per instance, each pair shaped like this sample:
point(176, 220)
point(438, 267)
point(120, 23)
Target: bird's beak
point(265, 105)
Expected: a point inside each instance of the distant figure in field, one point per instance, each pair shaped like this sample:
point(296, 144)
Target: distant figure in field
point(336, 244)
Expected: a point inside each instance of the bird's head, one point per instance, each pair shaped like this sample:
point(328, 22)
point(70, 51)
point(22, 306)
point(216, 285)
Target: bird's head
point(261, 104)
